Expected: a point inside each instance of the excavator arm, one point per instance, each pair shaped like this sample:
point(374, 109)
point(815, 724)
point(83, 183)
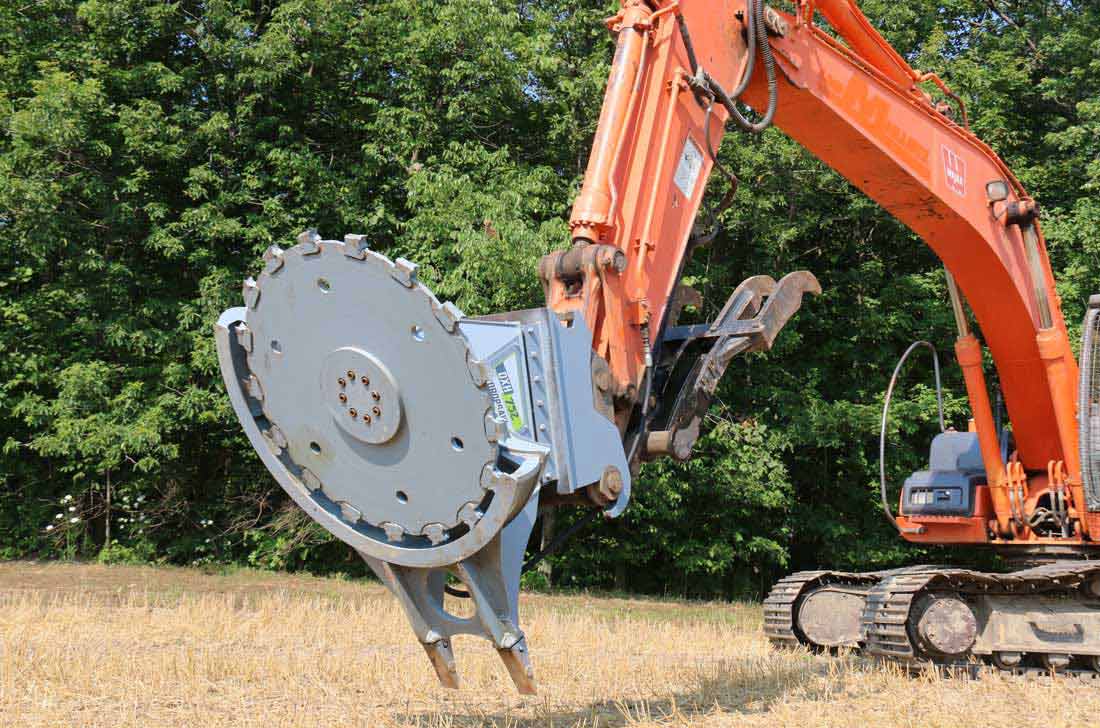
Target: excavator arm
point(429, 440)
point(682, 68)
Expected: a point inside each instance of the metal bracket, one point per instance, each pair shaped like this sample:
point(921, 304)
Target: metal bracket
point(783, 301)
point(751, 319)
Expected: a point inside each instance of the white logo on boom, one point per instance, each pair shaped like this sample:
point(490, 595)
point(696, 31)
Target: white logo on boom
point(954, 171)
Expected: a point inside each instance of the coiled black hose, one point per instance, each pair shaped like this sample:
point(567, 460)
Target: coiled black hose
point(756, 30)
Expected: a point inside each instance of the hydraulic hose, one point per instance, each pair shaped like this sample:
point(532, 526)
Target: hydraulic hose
point(757, 29)
point(886, 418)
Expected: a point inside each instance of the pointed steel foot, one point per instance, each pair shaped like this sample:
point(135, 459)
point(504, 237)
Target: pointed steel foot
point(519, 667)
point(443, 660)
point(491, 579)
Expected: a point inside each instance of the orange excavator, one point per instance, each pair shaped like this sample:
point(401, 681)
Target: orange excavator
point(429, 440)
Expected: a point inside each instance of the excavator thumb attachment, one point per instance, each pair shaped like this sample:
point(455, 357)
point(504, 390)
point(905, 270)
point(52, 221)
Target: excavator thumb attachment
point(417, 435)
point(751, 319)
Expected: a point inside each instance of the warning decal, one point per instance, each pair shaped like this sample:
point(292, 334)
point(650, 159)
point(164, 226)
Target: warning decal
point(687, 171)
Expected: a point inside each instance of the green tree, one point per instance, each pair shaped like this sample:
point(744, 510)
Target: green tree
point(150, 151)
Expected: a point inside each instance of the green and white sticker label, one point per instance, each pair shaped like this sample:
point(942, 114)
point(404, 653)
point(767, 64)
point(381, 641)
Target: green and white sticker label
point(507, 394)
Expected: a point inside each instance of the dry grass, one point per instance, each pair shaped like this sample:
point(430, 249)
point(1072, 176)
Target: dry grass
point(120, 646)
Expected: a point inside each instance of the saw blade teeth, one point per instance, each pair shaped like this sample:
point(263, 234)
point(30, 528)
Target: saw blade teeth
point(277, 436)
point(310, 480)
point(488, 477)
point(448, 315)
point(250, 291)
point(254, 388)
point(355, 246)
point(244, 337)
point(404, 272)
point(435, 532)
point(469, 514)
point(273, 259)
point(495, 429)
point(275, 439)
point(393, 531)
point(479, 370)
point(309, 242)
point(350, 513)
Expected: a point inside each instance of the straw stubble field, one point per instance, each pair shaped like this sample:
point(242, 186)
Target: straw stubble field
point(85, 645)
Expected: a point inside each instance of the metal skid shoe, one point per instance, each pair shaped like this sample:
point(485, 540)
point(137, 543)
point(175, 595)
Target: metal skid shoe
point(416, 435)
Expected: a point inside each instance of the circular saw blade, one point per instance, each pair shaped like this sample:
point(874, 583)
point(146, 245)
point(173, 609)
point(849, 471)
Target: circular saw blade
point(368, 380)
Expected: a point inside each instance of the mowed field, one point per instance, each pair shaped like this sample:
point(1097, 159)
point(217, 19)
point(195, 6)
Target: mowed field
point(84, 645)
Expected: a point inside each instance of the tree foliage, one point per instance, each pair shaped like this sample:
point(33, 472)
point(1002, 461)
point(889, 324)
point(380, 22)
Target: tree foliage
point(150, 151)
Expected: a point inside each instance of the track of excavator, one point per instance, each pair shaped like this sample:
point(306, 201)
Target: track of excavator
point(1037, 620)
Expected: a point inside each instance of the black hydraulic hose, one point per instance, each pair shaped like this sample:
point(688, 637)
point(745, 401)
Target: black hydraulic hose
point(550, 549)
point(751, 36)
point(561, 538)
point(693, 60)
point(886, 418)
point(758, 29)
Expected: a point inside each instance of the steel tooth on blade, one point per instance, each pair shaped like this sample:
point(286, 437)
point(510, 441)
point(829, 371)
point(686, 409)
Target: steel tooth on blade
point(244, 337)
point(448, 315)
point(310, 480)
point(479, 371)
point(490, 477)
point(275, 439)
point(393, 531)
point(404, 272)
point(309, 242)
point(355, 246)
point(273, 259)
point(495, 429)
point(350, 513)
point(250, 290)
point(255, 389)
point(469, 514)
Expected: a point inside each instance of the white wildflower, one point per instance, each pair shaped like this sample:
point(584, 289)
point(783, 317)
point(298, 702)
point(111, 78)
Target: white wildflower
point(74, 520)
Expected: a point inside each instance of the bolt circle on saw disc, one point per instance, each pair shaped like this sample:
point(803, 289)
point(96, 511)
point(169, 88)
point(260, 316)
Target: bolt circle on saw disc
point(361, 394)
point(368, 378)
